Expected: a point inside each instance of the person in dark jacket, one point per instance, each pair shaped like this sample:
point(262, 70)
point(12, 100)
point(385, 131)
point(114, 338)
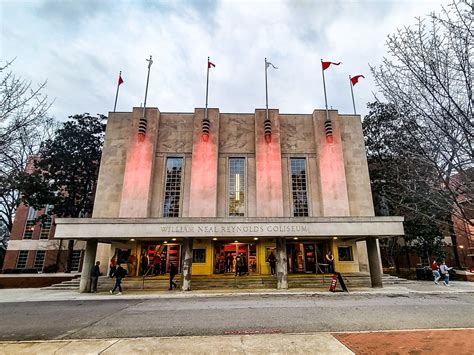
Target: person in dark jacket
point(95, 273)
point(120, 273)
point(173, 272)
point(144, 262)
point(272, 260)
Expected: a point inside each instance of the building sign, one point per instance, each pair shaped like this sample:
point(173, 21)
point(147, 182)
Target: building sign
point(83, 228)
point(233, 229)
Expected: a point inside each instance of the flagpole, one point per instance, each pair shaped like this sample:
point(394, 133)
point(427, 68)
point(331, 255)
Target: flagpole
point(325, 96)
point(352, 93)
point(150, 62)
point(266, 90)
point(207, 87)
point(116, 94)
point(142, 124)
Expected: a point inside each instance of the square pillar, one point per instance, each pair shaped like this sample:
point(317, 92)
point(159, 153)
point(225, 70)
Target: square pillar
point(139, 166)
point(203, 189)
point(187, 264)
point(332, 174)
point(281, 264)
point(269, 184)
point(88, 263)
point(375, 265)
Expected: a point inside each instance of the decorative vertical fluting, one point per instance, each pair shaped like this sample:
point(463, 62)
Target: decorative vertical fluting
point(267, 129)
point(328, 129)
point(206, 125)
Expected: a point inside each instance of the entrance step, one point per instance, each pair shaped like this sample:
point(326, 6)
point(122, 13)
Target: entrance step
point(65, 285)
point(213, 282)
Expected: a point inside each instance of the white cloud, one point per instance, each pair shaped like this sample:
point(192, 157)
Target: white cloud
point(79, 47)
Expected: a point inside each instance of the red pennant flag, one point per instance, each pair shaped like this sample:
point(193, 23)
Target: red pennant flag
point(120, 80)
point(355, 79)
point(210, 64)
point(327, 64)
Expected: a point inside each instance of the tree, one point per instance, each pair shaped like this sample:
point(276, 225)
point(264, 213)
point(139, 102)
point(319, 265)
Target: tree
point(4, 236)
point(402, 184)
point(428, 77)
point(66, 170)
point(24, 124)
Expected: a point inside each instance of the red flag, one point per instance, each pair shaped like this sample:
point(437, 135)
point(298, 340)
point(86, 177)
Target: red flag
point(210, 64)
point(355, 79)
point(120, 80)
point(327, 64)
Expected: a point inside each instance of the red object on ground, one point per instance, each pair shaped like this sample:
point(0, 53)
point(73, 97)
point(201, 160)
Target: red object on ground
point(332, 288)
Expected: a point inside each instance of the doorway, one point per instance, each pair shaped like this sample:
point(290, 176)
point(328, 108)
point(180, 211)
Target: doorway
point(303, 257)
point(225, 254)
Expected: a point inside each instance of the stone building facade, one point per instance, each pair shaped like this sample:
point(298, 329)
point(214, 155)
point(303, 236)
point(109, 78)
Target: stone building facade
point(171, 189)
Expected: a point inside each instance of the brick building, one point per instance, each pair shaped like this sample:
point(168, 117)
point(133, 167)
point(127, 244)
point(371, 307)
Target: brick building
point(33, 248)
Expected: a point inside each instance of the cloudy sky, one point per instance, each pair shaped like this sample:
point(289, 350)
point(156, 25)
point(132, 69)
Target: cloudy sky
point(79, 47)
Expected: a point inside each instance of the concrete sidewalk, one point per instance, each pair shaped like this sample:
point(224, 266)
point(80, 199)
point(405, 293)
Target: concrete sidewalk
point(321, 343)
point(438, 341)
point(35, 295)
point(419, 287)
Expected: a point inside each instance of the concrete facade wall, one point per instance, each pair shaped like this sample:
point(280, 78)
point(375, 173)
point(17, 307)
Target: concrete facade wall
point(337, 174)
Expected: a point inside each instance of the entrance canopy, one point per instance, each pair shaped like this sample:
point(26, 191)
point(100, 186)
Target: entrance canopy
point(105, 229)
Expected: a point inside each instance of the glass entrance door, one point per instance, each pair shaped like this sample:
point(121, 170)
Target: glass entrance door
point(225, 254)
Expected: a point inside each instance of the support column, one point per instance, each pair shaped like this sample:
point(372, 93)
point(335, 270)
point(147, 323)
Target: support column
point(187, 264)
point(282, 263)
point(87, 264)
point(375, 266)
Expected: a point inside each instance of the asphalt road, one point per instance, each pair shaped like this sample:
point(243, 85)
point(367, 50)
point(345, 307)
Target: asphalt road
point(231, 315)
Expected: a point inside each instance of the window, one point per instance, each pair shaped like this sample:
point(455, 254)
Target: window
point(76, 260)
point(345, 253)
point(298, 187)
point(199, 255)
point(174, 167)
point(39, 259)
point(30, 224)
point(236, 187)
point(22, 259)
point(45, 227)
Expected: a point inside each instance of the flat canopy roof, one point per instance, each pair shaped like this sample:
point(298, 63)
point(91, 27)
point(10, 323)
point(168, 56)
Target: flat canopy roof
point(186, 227)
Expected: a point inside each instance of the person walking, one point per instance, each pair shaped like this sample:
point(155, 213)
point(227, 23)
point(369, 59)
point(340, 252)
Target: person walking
point(444, 269)
point(144, 262)
point(330, 261)
point(436, 274)
point(173, 272)
point(120, 273)
point(95, 273)
point(113, 266)
point(272, 260)
point(156, 265)
point(163, 263)
point(238, 264)
point(228, 263)
point(245, 268)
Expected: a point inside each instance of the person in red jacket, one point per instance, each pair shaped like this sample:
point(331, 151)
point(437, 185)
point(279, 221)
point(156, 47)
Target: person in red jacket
point(435, 269)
